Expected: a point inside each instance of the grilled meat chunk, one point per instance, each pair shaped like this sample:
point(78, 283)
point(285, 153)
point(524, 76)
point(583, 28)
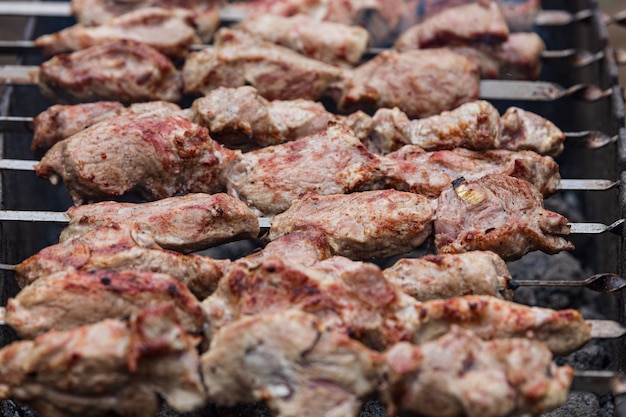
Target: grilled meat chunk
point(108, 368)
point(459, 374)
point(329, 42)
point(72, 298)
point(169, 32)
point(205, 13)
point(124, 70)
point(451, 275)
point(521, 129)
point(405, 80)
point(291, 362)
point(306, 246)
point(330, 162)
point(381, 18)
point(474, 125)
point(242, 118)
point(60, 121)
point(347, 296)
point(563, 331)
point(186, 223)
point(363, 225)
point(498, 213)
point(520, 56)
point(154, 155)
point(478, 22)
point(239, 58)
point(430, 173)
point(120, 249)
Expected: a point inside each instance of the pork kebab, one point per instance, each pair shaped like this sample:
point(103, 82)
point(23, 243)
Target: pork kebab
point(240, 118)
point(286, 352)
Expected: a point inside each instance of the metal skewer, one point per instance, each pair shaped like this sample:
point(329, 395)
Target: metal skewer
point(590, 139)
point(230, 13)
point(565, 184)
point(489, 89)
point(604, 283)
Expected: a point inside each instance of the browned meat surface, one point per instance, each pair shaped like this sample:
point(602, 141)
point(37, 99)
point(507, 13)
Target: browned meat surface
point(522, 129)
point(382, 18)
point(478, 22)
point(169, 32)
point(108, 368)
point(451, 275)
point(330, 162)
point(242, 118)
point(71, 298)
point(473, 125)
point(347, 296)
point(60, 121)
point(430, 173)
point(363, 225)
point(293, 364)
point(123, 71)
point(563, 331)
point(205, 13)
point(461, 375)
point(120, 249)
point(329, 42)
point(519, 58)
point(186, 223)
point(421, 83)
point(239, 58)
point(306, 246)
point(498, 213)
point(158, 156)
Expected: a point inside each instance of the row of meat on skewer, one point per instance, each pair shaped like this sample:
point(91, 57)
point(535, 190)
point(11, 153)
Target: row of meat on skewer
point(306, 323)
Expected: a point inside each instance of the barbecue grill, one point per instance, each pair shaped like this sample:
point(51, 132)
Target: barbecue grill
point(583, 109)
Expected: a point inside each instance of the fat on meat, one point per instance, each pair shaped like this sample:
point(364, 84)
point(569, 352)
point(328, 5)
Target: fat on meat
point(157, 156)
point(498, 213)
point(331, 162)
point(125, 70)
point(361, 225)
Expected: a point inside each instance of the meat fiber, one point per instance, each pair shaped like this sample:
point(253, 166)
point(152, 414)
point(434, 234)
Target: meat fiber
point(154, 155)
point(125, 71)
point(498, 213)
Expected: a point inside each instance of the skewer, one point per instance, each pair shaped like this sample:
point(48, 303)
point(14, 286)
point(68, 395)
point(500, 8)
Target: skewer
point(603, 283)
point(489, 89)
point(576, 58)
point(234, 14)
point(266, 222)
point(589, 139)
point(565, 184)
